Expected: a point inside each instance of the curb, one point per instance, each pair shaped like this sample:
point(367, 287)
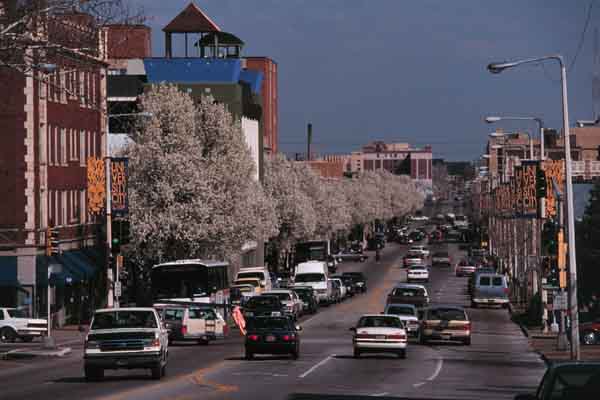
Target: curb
point(17, 353)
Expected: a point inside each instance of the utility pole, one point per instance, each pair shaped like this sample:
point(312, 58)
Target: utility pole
point(309, 142)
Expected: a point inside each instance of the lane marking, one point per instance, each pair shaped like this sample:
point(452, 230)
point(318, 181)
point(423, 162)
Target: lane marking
point(438, 369)
point(419, 384)
point(380, 394)
point(317, 365)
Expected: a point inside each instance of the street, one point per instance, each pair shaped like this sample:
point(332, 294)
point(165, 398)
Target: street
point(497, 365)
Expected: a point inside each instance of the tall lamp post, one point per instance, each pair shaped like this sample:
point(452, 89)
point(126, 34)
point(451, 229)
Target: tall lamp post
point(496, 68)
point(540, 123)
point(112, 300)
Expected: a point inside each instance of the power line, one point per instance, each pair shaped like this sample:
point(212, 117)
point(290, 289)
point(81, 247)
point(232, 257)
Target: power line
point(582, 38)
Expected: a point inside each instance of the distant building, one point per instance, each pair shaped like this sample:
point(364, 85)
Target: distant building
point(331, 166)
point(395, 158)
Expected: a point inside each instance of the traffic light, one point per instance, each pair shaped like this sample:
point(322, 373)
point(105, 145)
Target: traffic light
point(550, 238)
point(52, 241)
point(115, 245)
point(540, 184)
point(553, 276)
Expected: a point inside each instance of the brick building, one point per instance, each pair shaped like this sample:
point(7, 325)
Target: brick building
point(270, 123)
point(393, 157)
point(50, 124)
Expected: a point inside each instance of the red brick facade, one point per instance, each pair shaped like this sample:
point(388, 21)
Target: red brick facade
point(270, 100)
point(128, 41)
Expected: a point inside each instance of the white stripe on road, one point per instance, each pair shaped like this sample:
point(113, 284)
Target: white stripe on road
point(317, 365)
point(438, 369)
point(380, 394)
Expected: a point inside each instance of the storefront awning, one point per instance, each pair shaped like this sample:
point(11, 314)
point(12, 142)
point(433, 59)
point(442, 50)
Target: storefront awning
point(8, 272)
point(79, 264)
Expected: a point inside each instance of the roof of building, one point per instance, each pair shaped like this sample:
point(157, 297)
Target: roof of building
point(193, 70)
point(223, 39)
point(191, 19)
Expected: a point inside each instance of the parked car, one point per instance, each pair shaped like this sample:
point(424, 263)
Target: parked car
point(254, 282)
point(589, 331)
point(292, 305)
point(359, 279)
point(126, 338)
point(261, 273)
point(441, 259)
point(379, 333)
point(490, 289)
point(406, 293)
point(310, 304)
point(201, 323)
point(408, 314)
point(351, 286)
point(445, 323)
point(15, 324)
point(464, 268)
point(272, 335)
point(578, 380)
point(417, 273)
point(261, 306)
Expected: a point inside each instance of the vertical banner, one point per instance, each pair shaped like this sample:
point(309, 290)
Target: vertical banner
point(554, 170)
point(529, 201)
point(96, 186)
point(118, 187)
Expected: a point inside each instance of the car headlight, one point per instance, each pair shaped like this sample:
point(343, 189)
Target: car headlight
point(360, 284)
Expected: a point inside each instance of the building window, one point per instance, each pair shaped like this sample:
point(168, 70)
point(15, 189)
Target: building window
point(82, 207)
point(82, 155)
point(73, 140)
point(63, 207)
point(63, 146)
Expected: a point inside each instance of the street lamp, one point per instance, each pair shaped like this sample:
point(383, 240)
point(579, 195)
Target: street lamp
point(496, 68)
point(112, 300)
point(494, 119)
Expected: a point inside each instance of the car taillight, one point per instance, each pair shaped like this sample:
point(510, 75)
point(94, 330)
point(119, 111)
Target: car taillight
point(288, 338)
point(184, 330)
point(363, 336)
point(465, 327)
point(397, 337)
point(253, 338)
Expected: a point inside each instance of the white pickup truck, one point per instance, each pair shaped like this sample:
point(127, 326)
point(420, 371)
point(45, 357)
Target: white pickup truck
point(14, 324)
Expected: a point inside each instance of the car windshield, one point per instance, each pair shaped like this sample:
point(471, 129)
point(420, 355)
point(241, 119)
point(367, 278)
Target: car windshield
point(252, 282)
point(409, 292)
point(401, 310)
point(124, 319)
point(447, 314)
point(379, 322)
point(17, 313)
point(173, 314)
point(262, 301)
point(275, 324)
point(258, 275)
point(280, 296)
point(576, 382)
point(309, 278)
point(417, 267)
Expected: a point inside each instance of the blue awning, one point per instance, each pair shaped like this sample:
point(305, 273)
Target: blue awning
point(79, 264)
point(8, 271)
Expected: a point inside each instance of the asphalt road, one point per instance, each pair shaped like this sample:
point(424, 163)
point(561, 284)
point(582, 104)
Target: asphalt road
point(497, 365)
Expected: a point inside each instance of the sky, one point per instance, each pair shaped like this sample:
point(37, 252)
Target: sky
point(407, 70)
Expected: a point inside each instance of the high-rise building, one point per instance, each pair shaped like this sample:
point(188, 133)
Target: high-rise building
point(269, 121)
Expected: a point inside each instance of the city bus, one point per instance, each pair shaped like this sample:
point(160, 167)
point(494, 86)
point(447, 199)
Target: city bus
point(195, 281)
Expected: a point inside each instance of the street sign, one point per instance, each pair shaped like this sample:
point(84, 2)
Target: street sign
point(559, 302)
point(118, 186)
point(118, 289)
point(550, 287)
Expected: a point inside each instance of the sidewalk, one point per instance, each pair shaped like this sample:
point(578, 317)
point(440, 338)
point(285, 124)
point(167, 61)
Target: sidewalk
point(65, 338)
point(545, 344)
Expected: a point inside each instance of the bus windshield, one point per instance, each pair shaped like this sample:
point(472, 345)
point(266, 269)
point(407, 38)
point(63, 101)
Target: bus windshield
point(190, 281)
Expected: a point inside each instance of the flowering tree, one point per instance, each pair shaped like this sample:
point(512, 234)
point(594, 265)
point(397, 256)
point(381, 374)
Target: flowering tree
point(191, 182)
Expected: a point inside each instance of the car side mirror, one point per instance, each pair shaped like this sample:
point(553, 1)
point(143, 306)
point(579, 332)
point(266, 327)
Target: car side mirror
point(527, 396)
point(298, 328)
point(353, 329)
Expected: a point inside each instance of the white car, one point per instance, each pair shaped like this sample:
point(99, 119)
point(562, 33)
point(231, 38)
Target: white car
point(343, 288)
point(290, 300)
point(417, 273)
point(379, 333)
point(14, 324)
point(408, 314)
point(419, 249)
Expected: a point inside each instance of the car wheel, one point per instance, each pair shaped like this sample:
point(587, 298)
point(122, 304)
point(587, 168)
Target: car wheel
point(467, 341)
point(249, 355)
point(7, 335)
point(295, 354)
point(356, 353)
point(589, 338)
point(157, 371)
point(27, 339)
point(402, 354)
point(93, 374)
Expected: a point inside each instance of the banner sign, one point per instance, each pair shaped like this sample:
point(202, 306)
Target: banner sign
point(525, 186)
point(96, 185)
point(553, 170)
point(118, 186)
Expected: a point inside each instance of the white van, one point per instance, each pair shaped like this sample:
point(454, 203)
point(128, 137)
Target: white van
point(261, 273)
point(314, 274)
